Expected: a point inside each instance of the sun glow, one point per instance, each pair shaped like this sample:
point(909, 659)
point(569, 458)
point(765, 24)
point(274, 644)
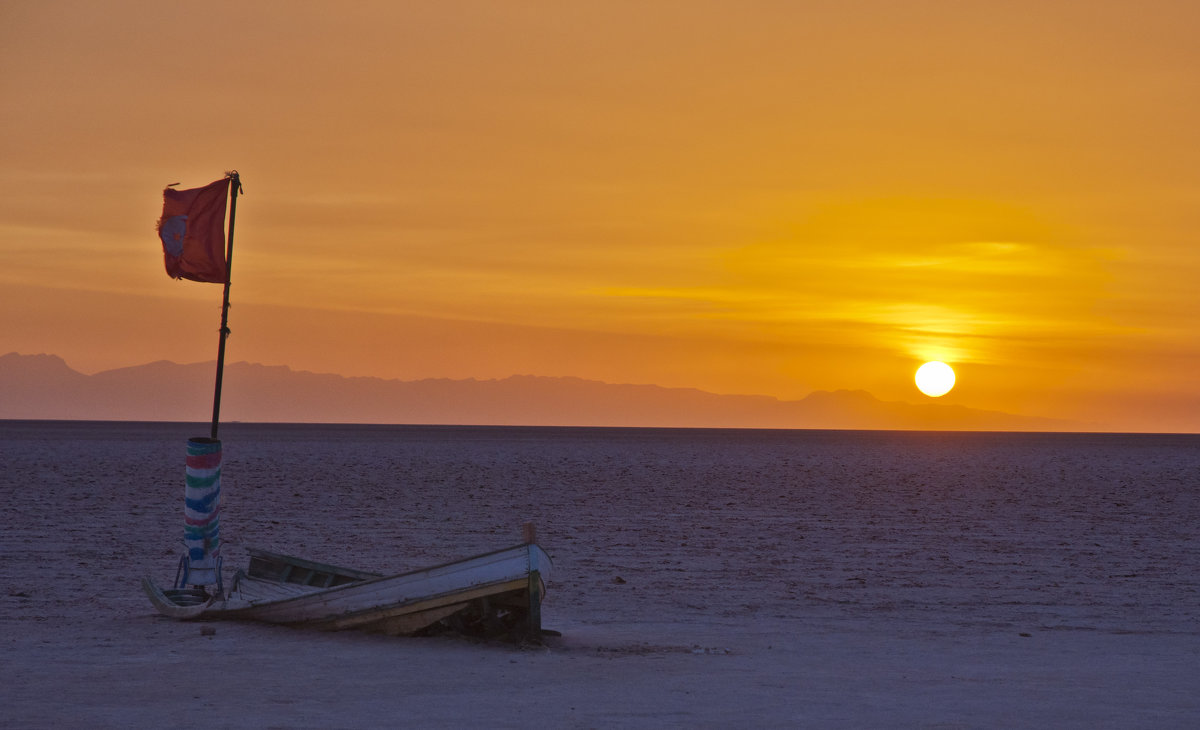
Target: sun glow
point(935, 378)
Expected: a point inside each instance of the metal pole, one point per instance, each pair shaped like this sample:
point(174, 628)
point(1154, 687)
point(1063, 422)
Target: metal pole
point(234, 187)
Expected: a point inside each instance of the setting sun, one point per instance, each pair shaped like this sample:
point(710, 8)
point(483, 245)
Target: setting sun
point(517, 191)
point(935, 378)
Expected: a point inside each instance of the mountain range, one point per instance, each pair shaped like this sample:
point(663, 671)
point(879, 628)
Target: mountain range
point(45, 387)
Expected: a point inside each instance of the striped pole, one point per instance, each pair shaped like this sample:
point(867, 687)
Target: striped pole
point(201, 511)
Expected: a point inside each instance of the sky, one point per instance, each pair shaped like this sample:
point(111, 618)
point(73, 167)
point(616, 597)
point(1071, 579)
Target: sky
point(743, 197)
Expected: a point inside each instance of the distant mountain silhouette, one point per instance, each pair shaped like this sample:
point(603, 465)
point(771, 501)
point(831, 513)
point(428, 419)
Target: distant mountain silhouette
point(44, 387)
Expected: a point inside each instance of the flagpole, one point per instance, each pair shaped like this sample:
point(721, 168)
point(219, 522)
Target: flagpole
point(235, 185)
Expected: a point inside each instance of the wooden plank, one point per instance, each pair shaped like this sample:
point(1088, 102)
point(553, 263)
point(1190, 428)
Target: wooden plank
point(533, 626)
point(256, 590)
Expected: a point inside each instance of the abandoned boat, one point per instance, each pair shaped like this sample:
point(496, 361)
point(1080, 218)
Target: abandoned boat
point(496, 594)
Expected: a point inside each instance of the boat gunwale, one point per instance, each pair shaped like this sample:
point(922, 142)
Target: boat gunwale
point(377, 576)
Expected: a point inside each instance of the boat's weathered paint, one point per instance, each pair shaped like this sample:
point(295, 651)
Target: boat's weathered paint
point(503, 589)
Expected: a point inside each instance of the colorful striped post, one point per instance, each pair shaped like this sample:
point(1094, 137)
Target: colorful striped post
point(201, 512)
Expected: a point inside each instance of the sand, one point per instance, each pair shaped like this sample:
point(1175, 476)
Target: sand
point(702, 579)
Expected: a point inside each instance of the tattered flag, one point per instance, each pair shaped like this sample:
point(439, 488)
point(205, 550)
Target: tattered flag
point(192, 229)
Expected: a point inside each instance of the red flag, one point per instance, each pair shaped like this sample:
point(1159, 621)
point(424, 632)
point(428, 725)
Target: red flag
point(192, 229)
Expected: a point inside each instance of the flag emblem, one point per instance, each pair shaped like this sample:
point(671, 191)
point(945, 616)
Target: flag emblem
point(171, 231)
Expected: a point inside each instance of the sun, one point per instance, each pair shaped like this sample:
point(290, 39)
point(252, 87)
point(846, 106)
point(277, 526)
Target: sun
point(935, 378)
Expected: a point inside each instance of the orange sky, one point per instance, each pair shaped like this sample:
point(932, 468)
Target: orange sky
point(749, 197)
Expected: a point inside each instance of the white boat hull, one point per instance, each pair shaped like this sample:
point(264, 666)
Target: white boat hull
point(498, 592)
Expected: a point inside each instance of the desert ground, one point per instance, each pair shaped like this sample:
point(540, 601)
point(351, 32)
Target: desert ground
point(701, 579)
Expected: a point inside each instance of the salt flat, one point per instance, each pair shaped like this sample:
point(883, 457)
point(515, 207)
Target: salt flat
point(702, 578)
